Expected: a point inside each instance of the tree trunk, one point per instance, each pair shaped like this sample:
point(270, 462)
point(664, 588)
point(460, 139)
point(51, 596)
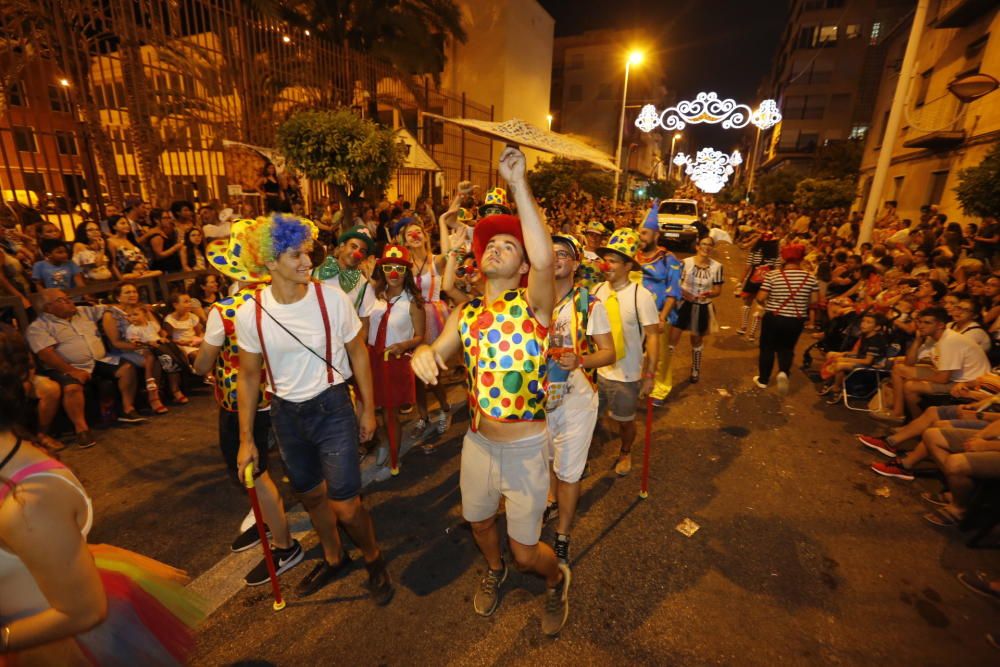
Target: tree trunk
point(347, 220)
point(105, 154)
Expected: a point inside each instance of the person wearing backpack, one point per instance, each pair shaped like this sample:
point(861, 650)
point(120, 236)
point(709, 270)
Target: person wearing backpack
point(621, 385)
point(661, 275)
point(580, 341)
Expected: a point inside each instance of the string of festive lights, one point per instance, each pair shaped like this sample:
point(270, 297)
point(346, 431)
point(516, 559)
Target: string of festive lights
point(708, 108)
point(710, 169)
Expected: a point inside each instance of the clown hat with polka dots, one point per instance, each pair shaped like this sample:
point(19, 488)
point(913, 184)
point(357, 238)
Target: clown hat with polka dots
point(225, 256)
point(394, 254)
point(495, 204)
point(624, 243)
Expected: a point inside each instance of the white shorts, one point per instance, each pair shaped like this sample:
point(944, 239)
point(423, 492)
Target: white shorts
point(571, 429)
point(518, 471)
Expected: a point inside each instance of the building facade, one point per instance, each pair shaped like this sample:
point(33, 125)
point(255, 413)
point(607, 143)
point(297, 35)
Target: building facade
point(939, 134)
point(826, 74)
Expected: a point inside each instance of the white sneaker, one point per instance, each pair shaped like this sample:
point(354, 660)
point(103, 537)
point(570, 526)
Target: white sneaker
point(248, 521)
point(442, 422)
point(756, 381)
point(782, 383)
point(419, 429)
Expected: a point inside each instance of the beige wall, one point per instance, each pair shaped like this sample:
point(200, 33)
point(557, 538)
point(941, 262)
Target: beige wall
point(912, 170)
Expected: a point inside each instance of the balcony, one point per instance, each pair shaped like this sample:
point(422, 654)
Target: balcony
point(960, 13)
point(936, 125)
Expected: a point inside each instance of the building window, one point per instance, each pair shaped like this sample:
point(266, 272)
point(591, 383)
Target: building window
point(840, 102)
point(119, 95)
point(606, 92)
point(815, 106)
point(575, 93)
point(822, 71)
point(827, 36)
point(938, 180)
point(794, 104)
point(852, 30)
point(807, 142)
point(897, 187)
point(858, 131)
point(807, 37)
point(16, 96)
point(66, 143)
point(34, 182)
point(876, 30)
point(885, 126)
point(787, 140)
point(24, 139)
point(575, 61)
point(58, 99)
point(974, 56)
point(923, 86)
point(812, 5)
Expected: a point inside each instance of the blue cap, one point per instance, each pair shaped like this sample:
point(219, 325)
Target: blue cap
point(652, 219)
point(399, 226)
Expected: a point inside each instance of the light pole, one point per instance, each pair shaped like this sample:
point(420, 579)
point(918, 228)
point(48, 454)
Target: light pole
point(634, 58)
point(549, 119)
point(670, 165)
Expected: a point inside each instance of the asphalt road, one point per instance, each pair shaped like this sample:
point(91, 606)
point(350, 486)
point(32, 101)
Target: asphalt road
point(803, 556)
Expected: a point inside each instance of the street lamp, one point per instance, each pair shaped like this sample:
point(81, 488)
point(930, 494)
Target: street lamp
point(670, 165)
point(634, 58)
point(64, 83)
point(973, 86)
point(549, 119)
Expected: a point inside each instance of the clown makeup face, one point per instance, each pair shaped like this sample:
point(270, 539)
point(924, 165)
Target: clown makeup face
point(566, 262)
point(394, 274)
point(648, 239)
point(615, 267)
point(593, 239)
point(413, 236)
point(503, 257)
point(293, 266)
point(353, 252)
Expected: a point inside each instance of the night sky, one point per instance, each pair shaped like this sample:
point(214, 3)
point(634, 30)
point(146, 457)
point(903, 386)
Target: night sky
point(724, 46)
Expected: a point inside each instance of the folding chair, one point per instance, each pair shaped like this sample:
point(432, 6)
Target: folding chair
point(861, 385)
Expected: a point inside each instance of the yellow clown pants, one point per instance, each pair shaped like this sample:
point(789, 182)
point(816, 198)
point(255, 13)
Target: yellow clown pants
point(664, 381)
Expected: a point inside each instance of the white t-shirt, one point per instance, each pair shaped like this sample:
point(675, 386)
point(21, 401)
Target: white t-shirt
point(580, 390)
point(974, 331)
point(298, 373)
point(183, 328)
point(959, 354)
point(364, 303)
point(629, 368)
point(217, 231)
point(215, 331)
point(400, 326)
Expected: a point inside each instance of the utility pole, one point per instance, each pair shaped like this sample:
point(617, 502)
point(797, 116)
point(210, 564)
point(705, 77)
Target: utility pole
point(892, 125)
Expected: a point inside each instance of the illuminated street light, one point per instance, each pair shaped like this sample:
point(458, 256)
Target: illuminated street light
point(673, 143)
point(634, 58)
point(286, 39)
point(973, 86)
point(308, 33)
point(549, 119)
point(64, 83)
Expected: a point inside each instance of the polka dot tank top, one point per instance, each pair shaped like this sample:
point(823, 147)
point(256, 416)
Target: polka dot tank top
point(228, 363)
point(504, 348)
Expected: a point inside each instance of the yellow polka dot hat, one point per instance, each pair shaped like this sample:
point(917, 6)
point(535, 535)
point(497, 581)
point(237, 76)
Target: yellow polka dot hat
point(624, 242)
point(225, 255)
point(495, 203)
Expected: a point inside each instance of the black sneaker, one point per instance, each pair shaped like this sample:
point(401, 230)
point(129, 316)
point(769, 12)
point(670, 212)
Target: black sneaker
point(561, 547)
point(488, 596)
point(321, 575)
point(379, 584)
point(131, 417)
point(248, 539)
point(85, 440)
point(551, 512)
point(557, 604)
point(284, 560)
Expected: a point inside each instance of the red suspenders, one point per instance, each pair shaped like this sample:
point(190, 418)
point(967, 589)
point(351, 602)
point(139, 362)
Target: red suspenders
point(326, 330)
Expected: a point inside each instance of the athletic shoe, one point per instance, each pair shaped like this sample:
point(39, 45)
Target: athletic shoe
point(488, 596)
point(406, 409)
point(442, 422)
point(880, 445)
point(756, 381)
point(551, 511)
point(740, 332)
point(824, 389)
point(751, 338)
point(834, 398)
point(782, 383)
point(658, 402)
point(695, 377)
point(557, 604)
point(419, 429)
point(131, 417)
point(283, 559)
point(978, 583)
point(85, 440)
point(624, 465)
point(379, 584)
point(561, 547)
point(934, 498)
point(321, 575)
point(249, 538)
point(892, 468)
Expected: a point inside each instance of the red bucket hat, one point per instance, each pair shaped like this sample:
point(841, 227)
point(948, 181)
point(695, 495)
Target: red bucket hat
point(394, 254)
point(489, 227)
point(793, 253)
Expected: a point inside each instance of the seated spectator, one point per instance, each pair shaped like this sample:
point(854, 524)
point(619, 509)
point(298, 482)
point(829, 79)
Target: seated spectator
point(963, 316)
point(185, 327)
point(193, 253)
point(45, 391)
point(166, 244)
point(138, 351)
point(90, 252)
point(955, 358)
point(129, 261)
point(66, 341)
point(57, 270)
point(870, 348)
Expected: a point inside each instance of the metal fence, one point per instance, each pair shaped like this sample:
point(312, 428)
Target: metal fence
point(108, 99)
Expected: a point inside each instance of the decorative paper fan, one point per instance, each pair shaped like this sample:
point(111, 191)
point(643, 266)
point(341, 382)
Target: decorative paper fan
point(523, 133)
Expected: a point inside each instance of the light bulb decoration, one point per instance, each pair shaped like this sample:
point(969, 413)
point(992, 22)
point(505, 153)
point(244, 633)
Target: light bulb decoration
point(710, 169)
point(708, 108)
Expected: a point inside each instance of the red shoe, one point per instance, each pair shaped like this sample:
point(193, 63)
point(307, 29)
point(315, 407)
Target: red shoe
point(892, 468)
point(880, 445)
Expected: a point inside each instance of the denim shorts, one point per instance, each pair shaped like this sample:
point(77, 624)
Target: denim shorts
point(318, 441)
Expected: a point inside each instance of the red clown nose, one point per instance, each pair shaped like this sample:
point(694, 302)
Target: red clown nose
point(394, 275)
point(414, 235)
point(604, 267)
point(358, 254)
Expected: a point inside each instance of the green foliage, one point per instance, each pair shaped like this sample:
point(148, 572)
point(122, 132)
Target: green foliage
point(340, 148)
point(733, 193)
point(661, 189)
point(777, 187)
point(819, 193)
point(978, 187)
point(560, 176)
point(838, 159)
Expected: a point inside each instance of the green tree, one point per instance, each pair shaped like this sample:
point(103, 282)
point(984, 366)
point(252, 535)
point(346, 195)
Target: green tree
point(818, 194)
point(561, 175)
point(349, 153)
point(978, 187)
point(838, 159)
point(777, 187)
point(661, 189)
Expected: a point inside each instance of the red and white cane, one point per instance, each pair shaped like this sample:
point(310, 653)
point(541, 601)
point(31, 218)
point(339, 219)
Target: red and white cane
point(644, 487)
point(279, 602)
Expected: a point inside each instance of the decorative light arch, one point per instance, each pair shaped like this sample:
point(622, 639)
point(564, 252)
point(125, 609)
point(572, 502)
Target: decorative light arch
point(710, 169)
point(708, 108)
